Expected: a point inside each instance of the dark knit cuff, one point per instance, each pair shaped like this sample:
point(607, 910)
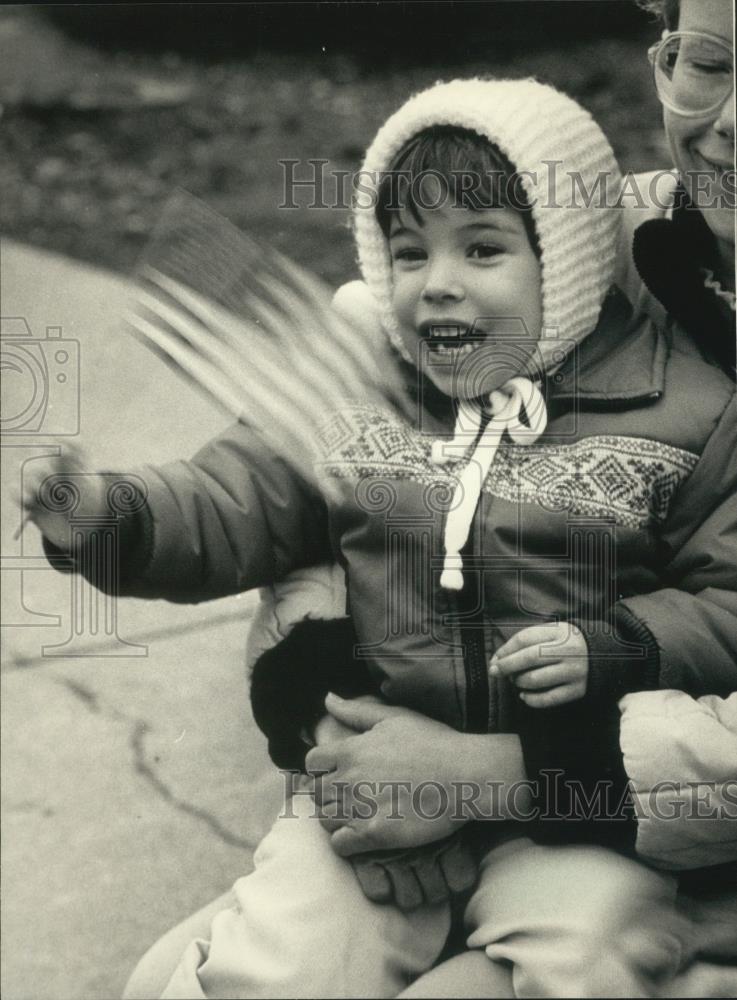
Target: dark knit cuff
point(135, 548)
point(580, 787)
point(622, 659)
point(572, 752)
point(60, 559)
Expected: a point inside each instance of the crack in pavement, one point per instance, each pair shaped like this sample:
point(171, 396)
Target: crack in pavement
point(149, 773)
point(84, 694)
point(22, 662)
point(140, 729)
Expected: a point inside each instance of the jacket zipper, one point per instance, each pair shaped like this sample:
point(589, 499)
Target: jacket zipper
point(474, 649)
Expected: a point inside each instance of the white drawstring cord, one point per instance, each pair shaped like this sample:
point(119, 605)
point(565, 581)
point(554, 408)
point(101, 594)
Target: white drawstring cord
point(505, 405)
point(468, 425)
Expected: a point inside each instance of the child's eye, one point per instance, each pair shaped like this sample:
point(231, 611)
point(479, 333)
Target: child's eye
point(410, 255)
point(484, 251)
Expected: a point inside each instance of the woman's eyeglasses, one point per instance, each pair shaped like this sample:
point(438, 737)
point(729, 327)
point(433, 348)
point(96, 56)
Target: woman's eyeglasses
point(694, 72)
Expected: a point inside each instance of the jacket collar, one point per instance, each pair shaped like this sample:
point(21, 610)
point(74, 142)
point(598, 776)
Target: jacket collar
point(670, 255)
point(621, 364)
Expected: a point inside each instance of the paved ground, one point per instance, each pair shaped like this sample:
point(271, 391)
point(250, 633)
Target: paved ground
point(134, 786)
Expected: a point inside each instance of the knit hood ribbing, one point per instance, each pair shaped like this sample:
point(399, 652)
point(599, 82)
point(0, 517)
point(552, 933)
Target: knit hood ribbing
point(568, 173)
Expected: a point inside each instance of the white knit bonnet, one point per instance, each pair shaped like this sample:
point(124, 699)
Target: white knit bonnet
point(568, 173)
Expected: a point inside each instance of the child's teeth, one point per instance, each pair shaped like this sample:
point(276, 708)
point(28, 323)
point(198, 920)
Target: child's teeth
point(457, 351)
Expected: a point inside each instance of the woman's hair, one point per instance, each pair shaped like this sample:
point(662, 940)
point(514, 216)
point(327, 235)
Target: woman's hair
point(466, 169)
point(666, 10)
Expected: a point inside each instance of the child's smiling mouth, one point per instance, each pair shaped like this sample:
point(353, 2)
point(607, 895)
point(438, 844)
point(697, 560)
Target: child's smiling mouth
point(449, 337)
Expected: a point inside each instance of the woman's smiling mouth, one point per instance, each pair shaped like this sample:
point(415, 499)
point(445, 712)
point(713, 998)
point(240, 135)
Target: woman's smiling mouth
point(713, 167)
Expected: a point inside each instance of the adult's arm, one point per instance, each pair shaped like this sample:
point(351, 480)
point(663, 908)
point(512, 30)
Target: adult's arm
point(680, 755)
point(693, 618)
point(682, 636)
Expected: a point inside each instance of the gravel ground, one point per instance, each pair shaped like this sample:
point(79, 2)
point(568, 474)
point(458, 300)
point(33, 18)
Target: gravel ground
point(94, 141)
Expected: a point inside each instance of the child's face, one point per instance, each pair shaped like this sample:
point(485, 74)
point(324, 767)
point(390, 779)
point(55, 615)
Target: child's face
point(458, 271)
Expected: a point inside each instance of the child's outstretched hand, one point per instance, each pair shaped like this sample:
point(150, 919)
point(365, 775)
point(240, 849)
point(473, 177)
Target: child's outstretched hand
point(50, 485)
point(549, 664)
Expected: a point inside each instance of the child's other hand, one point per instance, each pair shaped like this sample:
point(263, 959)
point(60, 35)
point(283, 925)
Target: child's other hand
point(549, 664)
point(42, 494)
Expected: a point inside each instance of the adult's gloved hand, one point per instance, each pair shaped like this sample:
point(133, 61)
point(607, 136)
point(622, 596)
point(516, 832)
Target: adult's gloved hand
point(290, 681)
point(410, 877)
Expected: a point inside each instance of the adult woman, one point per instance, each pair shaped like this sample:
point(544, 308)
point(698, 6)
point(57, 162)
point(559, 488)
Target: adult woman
point(677, 261)
point(678, 255)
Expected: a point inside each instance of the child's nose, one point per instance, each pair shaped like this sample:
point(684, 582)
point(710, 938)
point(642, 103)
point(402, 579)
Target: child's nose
point(442, 284)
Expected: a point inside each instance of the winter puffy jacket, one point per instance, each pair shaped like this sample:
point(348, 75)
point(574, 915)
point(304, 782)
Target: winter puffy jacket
point(621, 517)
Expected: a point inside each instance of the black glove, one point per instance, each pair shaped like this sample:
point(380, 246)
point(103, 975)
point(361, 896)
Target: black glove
point(290, 681)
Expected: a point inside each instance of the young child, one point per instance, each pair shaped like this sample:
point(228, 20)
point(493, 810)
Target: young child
point(575, 528)
point(563, 681)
